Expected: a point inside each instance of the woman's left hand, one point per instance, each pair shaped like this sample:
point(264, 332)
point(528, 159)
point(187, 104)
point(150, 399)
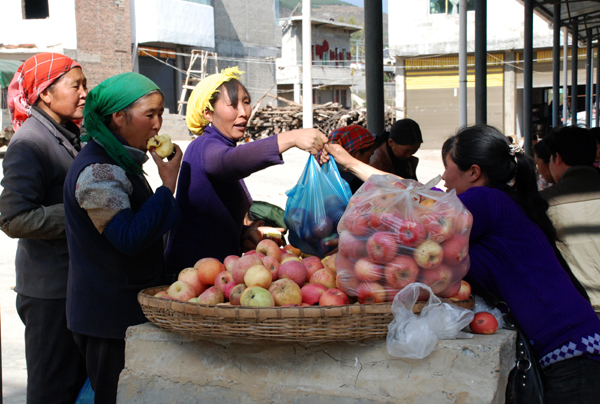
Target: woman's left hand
point(168, 170)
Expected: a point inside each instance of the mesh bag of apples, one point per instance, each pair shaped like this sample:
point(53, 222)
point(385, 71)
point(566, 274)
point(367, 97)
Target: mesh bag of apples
point(315, 206)
point(395, 232)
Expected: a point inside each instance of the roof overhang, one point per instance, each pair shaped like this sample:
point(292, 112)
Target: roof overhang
point(585, 13)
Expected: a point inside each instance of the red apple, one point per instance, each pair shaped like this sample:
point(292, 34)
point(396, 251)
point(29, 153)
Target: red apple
point(208, 269)
point(370, 292)
point(241, 266)
point(351, 247)
point(322, 227)
point(450, 290)
point(455, 249)
point(212, 295)
point(311, 293)
point(250, 252)
point(390, 293)
point(401, 271)
point(190, 275)
point(428, 254)
point(438, 278)
point(181, 291)
point(463, 221)
point(227, 289)
point(464, 293)
point(382, 247)
point(258, 275)
point(438, 225)
point(286, 292)
point(223, 278)
point(409, 233)
point(357, 223)
point(312, 264)
point(229, 261)
point(294, 270)
point(484, 323)
point(333, 297)
point(272, 265)
point(161, 293)
point(329, 262)
point(325, 277)
point(236, 294)
point(367, 271)
point(269, 248)
point(347, 281)
point(289, 257)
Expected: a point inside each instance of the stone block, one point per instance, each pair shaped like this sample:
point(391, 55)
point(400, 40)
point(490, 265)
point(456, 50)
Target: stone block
point(165, 367)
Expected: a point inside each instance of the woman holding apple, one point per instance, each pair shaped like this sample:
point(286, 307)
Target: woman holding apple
point(115, 223)
point(211, 191)
point(513, 256)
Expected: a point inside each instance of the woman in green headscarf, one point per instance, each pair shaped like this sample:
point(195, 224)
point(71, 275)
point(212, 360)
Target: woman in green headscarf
point(115, 223)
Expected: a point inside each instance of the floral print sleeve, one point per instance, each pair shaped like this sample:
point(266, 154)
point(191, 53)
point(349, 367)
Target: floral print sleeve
point(103, 190)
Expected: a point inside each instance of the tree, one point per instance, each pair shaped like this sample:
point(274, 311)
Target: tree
point(352, 20)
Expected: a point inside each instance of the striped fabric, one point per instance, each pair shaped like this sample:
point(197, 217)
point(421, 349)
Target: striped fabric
point(34, 76)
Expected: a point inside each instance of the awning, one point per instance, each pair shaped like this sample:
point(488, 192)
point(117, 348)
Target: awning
point(586, 13)
point(7, 71)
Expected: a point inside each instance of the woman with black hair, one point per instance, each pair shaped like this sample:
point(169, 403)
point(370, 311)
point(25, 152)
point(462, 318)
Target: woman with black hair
point(513, 256)
point(394, 150)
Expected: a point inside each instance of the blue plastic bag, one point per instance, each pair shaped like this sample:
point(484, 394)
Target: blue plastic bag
point(315, 206)
point(86, 394)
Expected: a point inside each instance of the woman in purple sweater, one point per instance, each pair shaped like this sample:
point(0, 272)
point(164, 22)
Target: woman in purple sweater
point(513, 256)
point(211, 191)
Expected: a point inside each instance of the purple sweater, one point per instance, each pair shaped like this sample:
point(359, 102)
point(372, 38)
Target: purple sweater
point(213, 197)
point(511, 257)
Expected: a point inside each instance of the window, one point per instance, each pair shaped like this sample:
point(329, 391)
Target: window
point(448, 6)
point(35, 9)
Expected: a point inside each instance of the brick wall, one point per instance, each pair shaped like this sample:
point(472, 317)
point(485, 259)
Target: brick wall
point(103, 38)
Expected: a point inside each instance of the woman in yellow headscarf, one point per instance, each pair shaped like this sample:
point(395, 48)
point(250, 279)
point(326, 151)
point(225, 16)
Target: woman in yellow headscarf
point(211, 191)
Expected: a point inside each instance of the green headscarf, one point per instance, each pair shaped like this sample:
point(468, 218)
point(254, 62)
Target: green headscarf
point(110, 96)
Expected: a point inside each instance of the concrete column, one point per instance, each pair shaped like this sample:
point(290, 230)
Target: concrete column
point(307, 101)
point(297, 92)
point(402, 112)
point(510, 94)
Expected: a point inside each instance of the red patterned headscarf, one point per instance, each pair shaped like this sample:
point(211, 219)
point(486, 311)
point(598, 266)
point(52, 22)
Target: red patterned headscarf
point(352, 138)
point(34, 76)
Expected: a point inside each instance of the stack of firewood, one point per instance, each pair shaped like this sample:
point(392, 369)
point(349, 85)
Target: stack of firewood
point(269, 120)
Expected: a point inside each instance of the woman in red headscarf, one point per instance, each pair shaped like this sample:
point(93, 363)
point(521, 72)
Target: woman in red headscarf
point(357, 141)
point(45, 99)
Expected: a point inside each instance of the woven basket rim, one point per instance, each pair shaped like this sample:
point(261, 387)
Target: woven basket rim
point(146, 298)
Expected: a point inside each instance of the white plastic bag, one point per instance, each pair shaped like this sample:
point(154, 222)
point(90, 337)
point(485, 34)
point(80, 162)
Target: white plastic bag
point(414, 336)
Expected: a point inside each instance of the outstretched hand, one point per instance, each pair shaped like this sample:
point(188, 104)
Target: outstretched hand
point(310, 140)
point(168, 170)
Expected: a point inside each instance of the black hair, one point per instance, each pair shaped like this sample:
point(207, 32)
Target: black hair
point(541, 151)
point(488, 148)
point(576, 146)
point(233, 91)
point(596, 133)
point(403, 132)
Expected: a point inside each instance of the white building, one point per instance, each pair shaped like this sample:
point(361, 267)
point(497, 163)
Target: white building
point(425, 44)
point(331, 58)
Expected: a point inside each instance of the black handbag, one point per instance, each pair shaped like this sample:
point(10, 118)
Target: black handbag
point(525, 384)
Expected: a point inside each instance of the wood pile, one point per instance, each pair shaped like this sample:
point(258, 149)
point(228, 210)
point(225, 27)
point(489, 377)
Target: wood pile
point(269, 120)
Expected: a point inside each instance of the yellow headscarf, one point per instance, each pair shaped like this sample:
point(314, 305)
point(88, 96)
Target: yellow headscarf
point(201, 95)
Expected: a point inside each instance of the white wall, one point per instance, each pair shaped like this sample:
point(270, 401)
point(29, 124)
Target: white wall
point(173, 21)
point(58, 30)
point(413, 31)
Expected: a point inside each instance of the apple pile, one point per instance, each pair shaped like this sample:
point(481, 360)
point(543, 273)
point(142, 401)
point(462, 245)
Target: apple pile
point(396, 232)
point(266, 277)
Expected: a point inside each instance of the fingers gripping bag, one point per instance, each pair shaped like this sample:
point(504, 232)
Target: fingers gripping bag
point(315, 206)
point(395, 232)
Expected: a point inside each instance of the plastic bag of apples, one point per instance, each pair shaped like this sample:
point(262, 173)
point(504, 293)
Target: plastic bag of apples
point(395, 232)
point(315, 206)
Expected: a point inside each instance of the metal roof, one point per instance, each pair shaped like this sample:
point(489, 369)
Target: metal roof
point(586, 13)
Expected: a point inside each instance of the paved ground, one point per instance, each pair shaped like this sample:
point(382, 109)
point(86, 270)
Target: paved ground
point(268, 185)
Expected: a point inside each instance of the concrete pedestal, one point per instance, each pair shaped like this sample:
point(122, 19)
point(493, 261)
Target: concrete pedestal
point(162, 367)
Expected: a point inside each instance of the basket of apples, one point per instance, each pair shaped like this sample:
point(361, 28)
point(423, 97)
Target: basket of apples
point(396, 232)
point(270, 293)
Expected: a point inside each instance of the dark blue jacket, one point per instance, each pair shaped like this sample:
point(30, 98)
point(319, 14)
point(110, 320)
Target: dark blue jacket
point(108, 270)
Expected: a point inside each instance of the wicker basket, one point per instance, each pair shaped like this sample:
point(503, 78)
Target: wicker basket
point(351, 323)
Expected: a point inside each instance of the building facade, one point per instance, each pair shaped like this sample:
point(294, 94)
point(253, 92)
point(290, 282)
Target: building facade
point(331, 72)
point(425, 46)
